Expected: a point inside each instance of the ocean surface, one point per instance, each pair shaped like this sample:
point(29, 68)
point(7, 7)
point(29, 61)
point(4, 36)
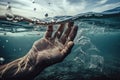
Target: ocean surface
point(95, 55)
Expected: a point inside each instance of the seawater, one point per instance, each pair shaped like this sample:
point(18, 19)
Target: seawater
point(95, 55)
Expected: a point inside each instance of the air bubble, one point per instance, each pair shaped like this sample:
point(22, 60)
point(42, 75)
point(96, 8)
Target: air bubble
point(2, 60)
point(20, 49)
point(14, 49)
point(6, 41)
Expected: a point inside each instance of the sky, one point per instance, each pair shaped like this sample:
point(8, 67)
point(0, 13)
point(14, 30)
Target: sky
point(38, 8)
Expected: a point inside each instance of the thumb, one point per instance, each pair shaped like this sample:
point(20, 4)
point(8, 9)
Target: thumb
point(67, 48)
point(70, 45)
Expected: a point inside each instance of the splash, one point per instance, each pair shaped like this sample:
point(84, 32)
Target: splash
point(87, 54)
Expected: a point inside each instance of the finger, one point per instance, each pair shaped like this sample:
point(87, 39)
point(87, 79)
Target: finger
point(59, 32)
point(68, 30)
point(67, 49)
point(49, 31)
point(72, 34)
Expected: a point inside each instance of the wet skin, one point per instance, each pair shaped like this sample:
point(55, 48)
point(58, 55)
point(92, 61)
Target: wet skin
point(49, 50)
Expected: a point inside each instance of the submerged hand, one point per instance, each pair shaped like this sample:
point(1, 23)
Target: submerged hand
point(44, 52)
point(54, 48)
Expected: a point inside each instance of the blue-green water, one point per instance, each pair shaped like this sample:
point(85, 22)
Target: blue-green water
point(95, 55)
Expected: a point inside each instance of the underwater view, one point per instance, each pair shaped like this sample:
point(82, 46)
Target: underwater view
point(96, 52)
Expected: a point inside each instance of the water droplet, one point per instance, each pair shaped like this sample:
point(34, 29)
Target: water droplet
point(46, 15)
point(49, 3)
point(9, 7)
point(6, 41)
point(33, 1)
point(9, 15)
point(34, 9)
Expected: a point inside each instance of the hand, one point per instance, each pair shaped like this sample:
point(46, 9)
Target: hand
point(53, 49)
point(44, 52)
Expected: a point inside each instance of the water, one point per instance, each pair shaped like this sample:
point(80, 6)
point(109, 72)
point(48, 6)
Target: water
point(95, 55)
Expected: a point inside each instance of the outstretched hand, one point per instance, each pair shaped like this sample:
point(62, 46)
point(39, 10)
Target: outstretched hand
point(54, 48)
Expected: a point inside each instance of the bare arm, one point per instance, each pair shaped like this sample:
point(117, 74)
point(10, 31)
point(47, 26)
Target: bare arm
point(44, 52)
point(21, 69)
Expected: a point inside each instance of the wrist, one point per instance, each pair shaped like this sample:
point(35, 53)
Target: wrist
point(35, 61)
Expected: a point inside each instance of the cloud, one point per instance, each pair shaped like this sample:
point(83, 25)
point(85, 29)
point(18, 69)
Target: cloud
point(106, 7)
point(5, 2)
point(102, 2)
point(74, 1)
point(59, 7)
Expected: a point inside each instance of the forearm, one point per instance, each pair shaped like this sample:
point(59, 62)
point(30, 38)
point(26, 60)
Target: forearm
point(15, 69)
point(21, 69)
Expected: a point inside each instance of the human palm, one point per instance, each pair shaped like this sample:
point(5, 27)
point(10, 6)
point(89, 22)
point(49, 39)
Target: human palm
point(54, 48)
point(44, 52)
